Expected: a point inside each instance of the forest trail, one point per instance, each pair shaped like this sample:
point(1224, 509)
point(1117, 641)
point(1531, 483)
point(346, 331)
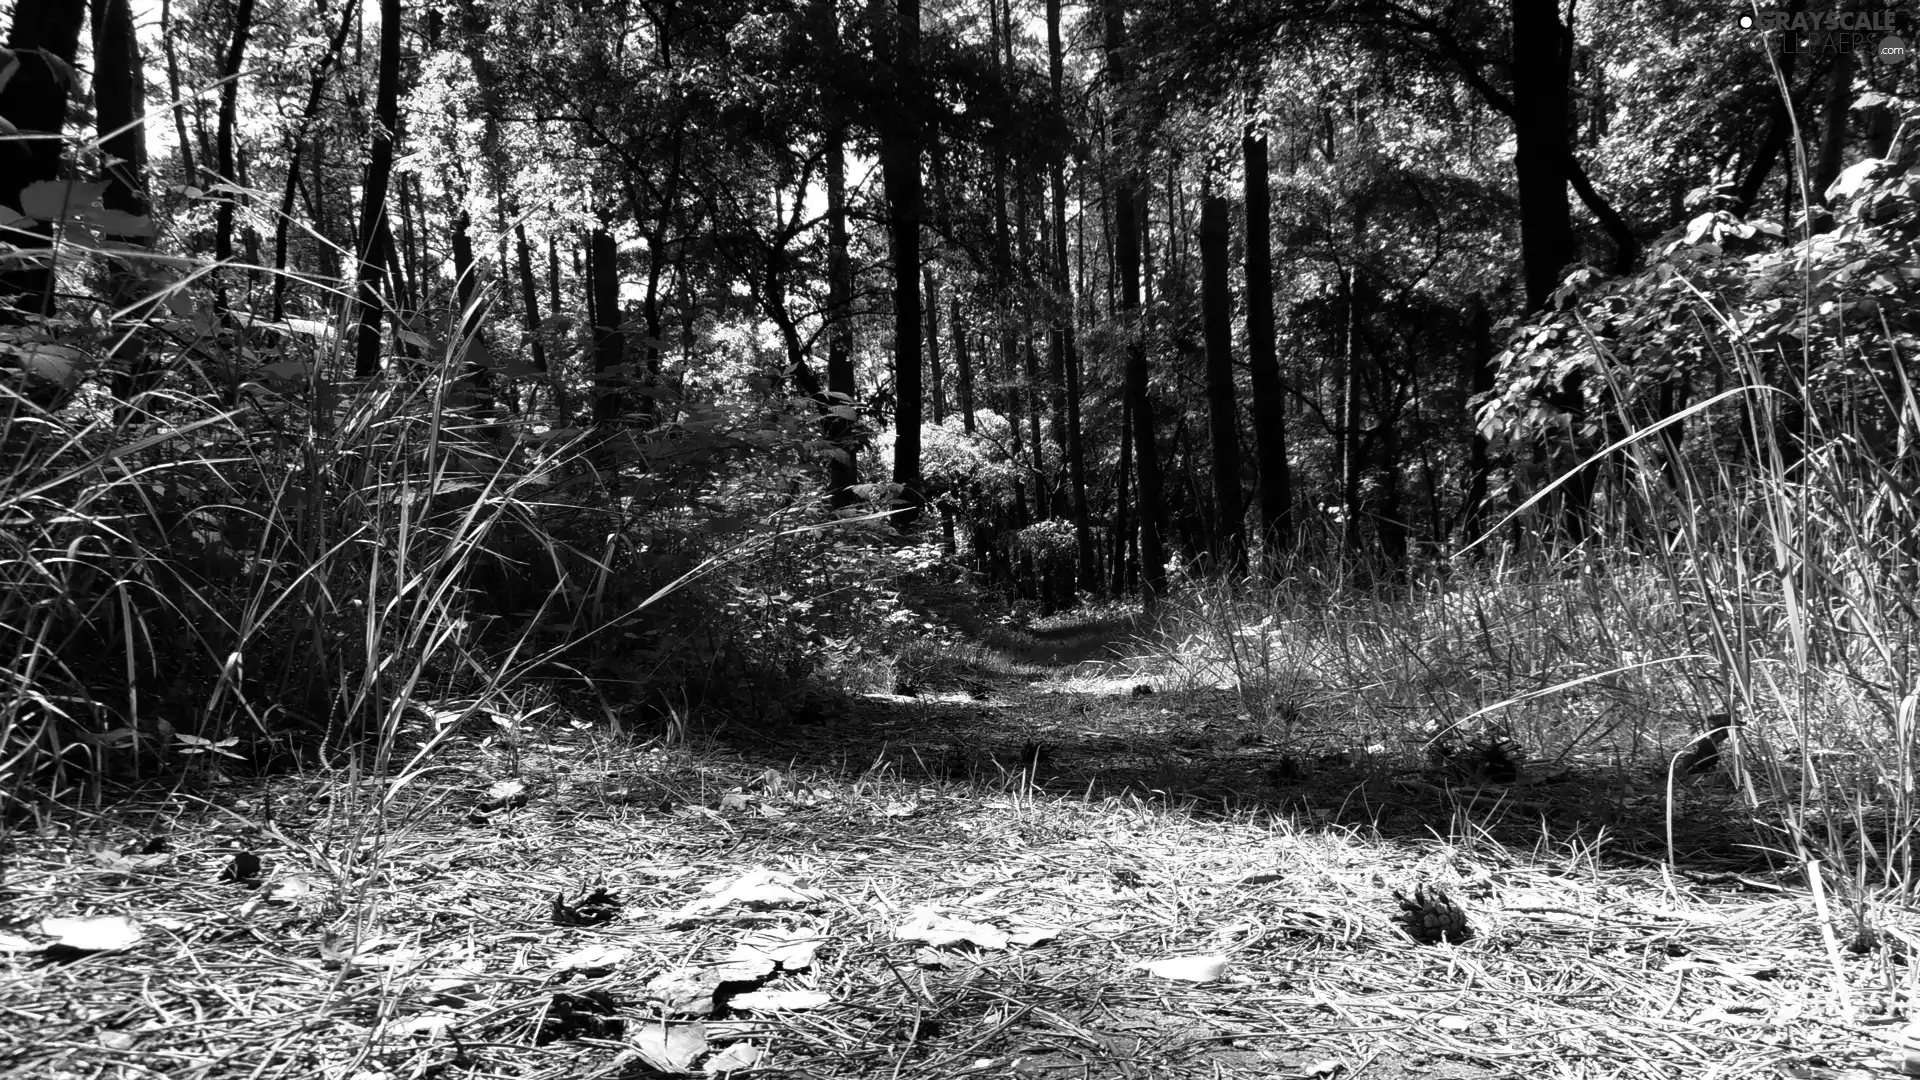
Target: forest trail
point(1026, 868)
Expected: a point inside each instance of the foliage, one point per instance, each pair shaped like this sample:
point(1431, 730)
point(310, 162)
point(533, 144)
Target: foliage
point(1827, 319)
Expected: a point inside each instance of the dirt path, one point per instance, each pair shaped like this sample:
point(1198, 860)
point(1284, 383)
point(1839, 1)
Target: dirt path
point(966, 882)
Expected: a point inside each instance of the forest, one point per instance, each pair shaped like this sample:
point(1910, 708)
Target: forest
point(1138, 537)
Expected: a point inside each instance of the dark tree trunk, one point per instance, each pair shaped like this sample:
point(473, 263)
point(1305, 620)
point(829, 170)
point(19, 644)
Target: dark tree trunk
point(650, 311)
point(938, 395)
point(464, 281)
point(609, 345)
point(468, 327)
point(1779, 131)
point(900, 172)
point(297, 150)
point(1263, 365)
point(1349, 433)
point(843, 469)
point(555, 302)
point(409, 247)
point(1122, 528)
point(1833, 125)
point(530, 298)
point(119, 91)
point(1391, 522)
point(1062, 354)
point(229, 119)
point(374, 235)
point(1479, 455)
point(1542, 155)
point(1127, 227)
point(963, 363)
point(1216, 312)
point(34, 101)
point(175, 105)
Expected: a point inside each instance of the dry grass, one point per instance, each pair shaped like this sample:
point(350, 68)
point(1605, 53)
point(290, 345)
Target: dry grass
point(397, 933)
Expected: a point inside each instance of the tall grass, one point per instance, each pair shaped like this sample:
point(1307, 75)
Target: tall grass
point(1761, 578)
point(256, 559)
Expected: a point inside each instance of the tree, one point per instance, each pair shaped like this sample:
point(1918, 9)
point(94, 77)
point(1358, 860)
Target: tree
point(1065, 358)
point(375, 237)
point(1216, 301)
point(1263, 366)
point(900, 171)
point(297, 145)
point(1539, 60)
point(44, 39)
point(1127, 201)
point(227, 174)
point(119, 91)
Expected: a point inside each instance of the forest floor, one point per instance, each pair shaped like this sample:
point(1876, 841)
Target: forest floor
point(1032, 867)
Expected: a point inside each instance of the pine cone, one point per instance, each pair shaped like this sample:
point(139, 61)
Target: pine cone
point(1431, 916)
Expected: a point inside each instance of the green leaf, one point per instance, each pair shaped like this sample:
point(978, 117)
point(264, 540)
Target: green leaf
point(56, 200)
point(120, 223)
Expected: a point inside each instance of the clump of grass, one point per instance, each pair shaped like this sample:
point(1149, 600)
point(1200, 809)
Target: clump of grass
point(255, 567)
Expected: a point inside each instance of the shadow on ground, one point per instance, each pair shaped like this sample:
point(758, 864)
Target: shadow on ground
point(1058, 707)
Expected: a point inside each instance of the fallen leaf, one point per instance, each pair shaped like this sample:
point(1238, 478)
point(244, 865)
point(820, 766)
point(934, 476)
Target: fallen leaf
point(105, 933)
point(770, 1000)
point(792, 950)
point(594, 959)
point(1188, 968)
point(754, 889)
point(933, 928)
point(244, 867)
point(289, 888)
point(504, 795)
point(671, 1048)
point(433, 1023)
point(691, 991)
point(1453, 1023)
point(116, 1040)
point(741, 1055)
point(1326, 1067)
point(929, 957)
point(1033, 934)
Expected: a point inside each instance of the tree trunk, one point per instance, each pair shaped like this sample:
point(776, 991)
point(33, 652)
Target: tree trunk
point(1063, 356)
point(963, 363)
point(843, 469)
point(1349, 433)
point(409, 247)
point(932, 288)
point(175, 104)
point(900, 173)
point(229, 119)
point(468, 327)
point(1127, 199)
point(530, 298)
point(609, 345)
point(1542, 154)
point(1479, 455)
point(34, 102)
point(119, 92)
point(1263, 365)
point(1216, 311)
point(1779, 131)
point(374, 235)
point(1833, 125)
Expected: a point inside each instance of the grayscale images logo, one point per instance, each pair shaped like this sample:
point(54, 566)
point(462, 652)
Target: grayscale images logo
point(1869, 32)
